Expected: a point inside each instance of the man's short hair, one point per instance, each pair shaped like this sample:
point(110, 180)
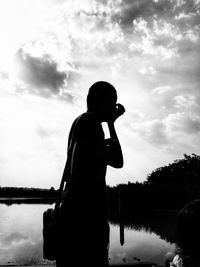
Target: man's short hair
point(98, 92)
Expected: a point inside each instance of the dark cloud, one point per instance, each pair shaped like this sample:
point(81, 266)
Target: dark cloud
point(189, 6)
point(132, 9)
point(41, 72)
point(43, 77)
point(162, 9)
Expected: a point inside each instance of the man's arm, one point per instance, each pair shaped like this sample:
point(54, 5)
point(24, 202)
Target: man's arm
point(114, 151)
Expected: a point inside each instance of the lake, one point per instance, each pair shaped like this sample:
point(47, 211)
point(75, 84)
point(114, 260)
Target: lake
point(21, 238)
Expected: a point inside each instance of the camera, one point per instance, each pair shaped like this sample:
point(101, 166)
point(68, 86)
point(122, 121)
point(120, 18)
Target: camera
point(120, 109)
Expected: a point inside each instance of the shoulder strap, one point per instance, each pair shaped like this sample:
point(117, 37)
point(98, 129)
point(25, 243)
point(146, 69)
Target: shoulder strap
point(66, 172)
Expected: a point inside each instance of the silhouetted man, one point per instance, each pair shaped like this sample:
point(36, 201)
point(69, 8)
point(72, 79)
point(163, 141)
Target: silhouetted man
point(84, 228)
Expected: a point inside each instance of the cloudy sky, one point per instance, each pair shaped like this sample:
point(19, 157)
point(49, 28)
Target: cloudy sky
point(51, 51)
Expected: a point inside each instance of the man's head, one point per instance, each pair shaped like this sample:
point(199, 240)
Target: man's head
point(102, 99)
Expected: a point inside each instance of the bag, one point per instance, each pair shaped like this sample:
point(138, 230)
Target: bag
point(49, 234)
point(50, 224)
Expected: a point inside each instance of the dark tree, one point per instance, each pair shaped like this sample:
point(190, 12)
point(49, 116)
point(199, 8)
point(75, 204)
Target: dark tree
point(181, 171)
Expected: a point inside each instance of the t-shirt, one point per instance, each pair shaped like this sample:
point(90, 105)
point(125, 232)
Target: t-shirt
point(87, 164)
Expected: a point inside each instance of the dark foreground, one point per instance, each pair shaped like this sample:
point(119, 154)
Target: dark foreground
point(112, 265)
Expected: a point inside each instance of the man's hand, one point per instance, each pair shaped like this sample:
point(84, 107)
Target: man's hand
point(119, 111)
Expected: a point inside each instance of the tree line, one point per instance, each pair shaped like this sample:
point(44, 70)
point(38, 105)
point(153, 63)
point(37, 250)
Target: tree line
point(27, 192)
point(166, 188)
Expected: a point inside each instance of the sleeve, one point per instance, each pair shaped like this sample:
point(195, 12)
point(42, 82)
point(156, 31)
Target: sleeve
point(88, 150)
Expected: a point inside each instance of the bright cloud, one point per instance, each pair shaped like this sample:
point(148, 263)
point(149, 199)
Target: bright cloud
point(52, 51)
point(162, 89)
point(183, 123)
point(187, 101)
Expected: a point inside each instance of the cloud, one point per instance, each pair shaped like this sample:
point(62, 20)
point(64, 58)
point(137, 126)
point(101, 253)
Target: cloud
point(42, 76)
point(34, 132)
point(141, 248)
point(165, 132)
point(183, 15)
point(28, 253)
point(136, 115)
point(13, 238)
point(21, 234)
point(153, 38)
point(189, 6)
point(22, 253)
point(185, 69)
point(148, 70)
point(182, 122)
point(153, 131)
point(175, 10)
point(41, 72)
point(153, 27)
point(42, 132)
point(186, 101)
point(162, 89)
point(131, 10)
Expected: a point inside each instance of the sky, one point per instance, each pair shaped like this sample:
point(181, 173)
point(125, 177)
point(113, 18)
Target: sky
point(52, 51)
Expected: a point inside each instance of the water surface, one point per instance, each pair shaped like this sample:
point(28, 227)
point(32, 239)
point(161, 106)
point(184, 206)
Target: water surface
point(21, 238)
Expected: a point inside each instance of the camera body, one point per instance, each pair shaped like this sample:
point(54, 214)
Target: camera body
point(119, 109)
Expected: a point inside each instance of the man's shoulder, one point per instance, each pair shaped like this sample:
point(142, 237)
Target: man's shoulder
point(86, 119)
point(87, 126)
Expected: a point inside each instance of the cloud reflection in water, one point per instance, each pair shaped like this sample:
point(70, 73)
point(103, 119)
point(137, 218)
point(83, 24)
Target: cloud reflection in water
point(21, 238)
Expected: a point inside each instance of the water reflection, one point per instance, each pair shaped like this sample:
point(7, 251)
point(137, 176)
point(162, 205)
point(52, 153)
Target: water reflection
point(140, 245)
point(21, 233)
point(21, 238)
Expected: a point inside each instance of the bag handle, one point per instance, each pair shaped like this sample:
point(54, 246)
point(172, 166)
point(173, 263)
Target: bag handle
point(60, 190)
point(65, 179)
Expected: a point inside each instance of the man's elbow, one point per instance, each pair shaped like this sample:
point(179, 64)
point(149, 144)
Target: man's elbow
point(120, 165)
point(117, 164)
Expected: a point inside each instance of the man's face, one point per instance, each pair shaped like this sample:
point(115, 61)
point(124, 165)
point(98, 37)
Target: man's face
point(107, 108)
